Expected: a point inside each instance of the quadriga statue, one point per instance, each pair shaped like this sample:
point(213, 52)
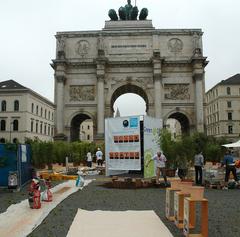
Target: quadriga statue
point(113, 15)
point(128, 12)
point(143, 14)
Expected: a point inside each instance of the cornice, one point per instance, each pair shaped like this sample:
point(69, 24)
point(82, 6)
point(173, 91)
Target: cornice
point(128, 32)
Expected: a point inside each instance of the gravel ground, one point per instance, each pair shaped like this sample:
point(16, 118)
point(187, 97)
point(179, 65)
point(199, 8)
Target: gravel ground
point(224, 208)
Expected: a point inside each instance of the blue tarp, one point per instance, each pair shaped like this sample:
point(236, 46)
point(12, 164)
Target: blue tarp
point(15, 157)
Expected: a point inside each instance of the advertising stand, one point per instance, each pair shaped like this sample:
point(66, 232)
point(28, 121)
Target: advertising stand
point(129, 143)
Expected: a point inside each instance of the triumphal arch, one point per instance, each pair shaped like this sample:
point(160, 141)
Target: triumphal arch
point(93, 68)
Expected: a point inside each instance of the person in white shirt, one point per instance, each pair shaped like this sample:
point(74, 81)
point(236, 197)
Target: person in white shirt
point(99, 156)
point(160, 160)
point(89, 159)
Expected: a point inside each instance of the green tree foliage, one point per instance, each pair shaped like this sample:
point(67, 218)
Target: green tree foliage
point(180, 152)
point(47, 153)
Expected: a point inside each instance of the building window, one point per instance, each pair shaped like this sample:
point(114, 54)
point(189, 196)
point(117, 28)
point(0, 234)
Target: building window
point(37, 110)
point(32, 107)
point(41, 128)
point(229, 104)
point(48, 130)
point(52, 131)
point(228, 91)
point(15, 140)
point(16, 105)
point(41, 111)
point(229, 116)
point(15, 125)
point(36, 127)
point(230, 129)
point(45, 129)
point(4, 105)
point(88, 137)
point(52, 116)
point(49, 115)
point(2, 140)
point(31, 126)
point(3, 125)
point(88, 127)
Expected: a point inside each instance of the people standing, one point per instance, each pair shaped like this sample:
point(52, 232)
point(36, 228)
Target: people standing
point(160, 160)
point(198, 164)
point(229, 163)
point(89, 159)
point(99, 156)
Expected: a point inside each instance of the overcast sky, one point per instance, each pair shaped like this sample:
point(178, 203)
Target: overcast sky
point(27, 43)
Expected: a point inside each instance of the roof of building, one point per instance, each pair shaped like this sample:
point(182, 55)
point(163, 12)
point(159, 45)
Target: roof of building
point(234, 80)
point(11, 84)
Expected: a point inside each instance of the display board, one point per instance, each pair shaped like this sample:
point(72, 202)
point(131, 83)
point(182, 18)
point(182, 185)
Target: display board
point(152, 128)
point(122, 144)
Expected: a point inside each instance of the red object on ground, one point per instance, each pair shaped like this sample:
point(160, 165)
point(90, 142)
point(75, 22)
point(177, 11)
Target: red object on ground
point(34, 198)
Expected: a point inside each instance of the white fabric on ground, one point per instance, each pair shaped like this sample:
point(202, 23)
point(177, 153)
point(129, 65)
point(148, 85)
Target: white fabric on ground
point(20, 220)
point(117, 224)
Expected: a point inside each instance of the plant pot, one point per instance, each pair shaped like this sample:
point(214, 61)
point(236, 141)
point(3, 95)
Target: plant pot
point(170, 172)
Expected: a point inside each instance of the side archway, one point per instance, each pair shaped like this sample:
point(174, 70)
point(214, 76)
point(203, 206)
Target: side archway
point(183, 119)
point(75, 126)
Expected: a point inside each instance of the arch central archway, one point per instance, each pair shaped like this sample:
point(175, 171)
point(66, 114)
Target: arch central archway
point(129, 88)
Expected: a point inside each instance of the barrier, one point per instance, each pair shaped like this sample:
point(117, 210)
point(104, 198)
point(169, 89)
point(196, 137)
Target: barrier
point(169, 206)
point(190, 216)
point(196, 193)
point(179, 208)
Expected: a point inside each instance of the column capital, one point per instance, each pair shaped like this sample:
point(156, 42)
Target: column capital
point(60, 79)
point(157, 76)
point(100, 77)
point(198, 75)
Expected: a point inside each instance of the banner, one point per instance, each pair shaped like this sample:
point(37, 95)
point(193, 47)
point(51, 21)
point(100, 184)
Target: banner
point(152, 127)
point(122, 141)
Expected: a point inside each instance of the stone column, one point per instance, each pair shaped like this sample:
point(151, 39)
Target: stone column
point(60, 80)
point(100, 105)
point(199, 101)
point(157, 76)
point(100, 97)
point(157, 96)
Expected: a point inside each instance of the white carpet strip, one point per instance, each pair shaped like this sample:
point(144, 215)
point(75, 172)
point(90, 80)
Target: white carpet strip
point(117, 224)
point(20, 220)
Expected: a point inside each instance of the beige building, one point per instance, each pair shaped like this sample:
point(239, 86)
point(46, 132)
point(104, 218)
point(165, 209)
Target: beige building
point(86, 130)
point(166, 67)
point(223, 109)
point(24, 114)
point(174, 127)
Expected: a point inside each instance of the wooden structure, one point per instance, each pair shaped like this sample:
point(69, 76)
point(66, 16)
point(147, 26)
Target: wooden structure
point(190, 217)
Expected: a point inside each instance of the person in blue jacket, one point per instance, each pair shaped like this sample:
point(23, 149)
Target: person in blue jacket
point(228, 162)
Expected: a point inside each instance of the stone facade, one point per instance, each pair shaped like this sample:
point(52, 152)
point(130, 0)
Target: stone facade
point(24, 114)
point(86, 131)
point(223, 109)
point(93, 68)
